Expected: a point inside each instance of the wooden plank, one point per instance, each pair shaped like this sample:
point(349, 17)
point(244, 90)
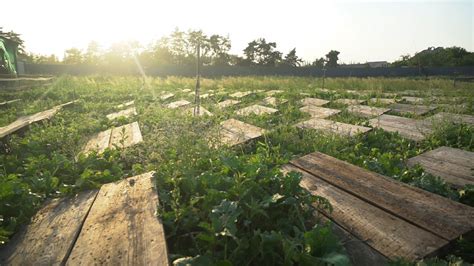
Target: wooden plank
point(382, 100)
point(98, 143)
point(367, 111)
point(319, 112)
point(227, 103)
point(453, 118)
point(50, 236)
point(256, 110)
point(413, 100)
point(313, 102)
point(235, 132)
point(124, 113)
point(407, 127)
point(186, 90)
point(436, 214)
point(333, 127)
point(122, 227)
point(178, 104)
point(127, 104)
point(240, 94)
point(166, 96)
point(274, 101)
point(386, 233)
point(9, 102)
point(202, 111)
point(455, 166)
point(125, 136)
point(273, 92)
point(389, 94)
point(349, 101)
point(411, 109)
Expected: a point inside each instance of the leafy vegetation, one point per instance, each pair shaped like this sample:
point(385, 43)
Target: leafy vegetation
point(223, 206)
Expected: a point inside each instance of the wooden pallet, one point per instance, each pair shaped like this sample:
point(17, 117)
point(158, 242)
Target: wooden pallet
point(313, 102)
point(116, 225)
point(227, 103)
point(256, 110)
point(453, 118)
point(407, 127)
point(234, 132)
point(274, 101)
point(25, 121)
point(397, 220)
point(130, 134)
point(124, 113)
point(455, 166)
point(333, 127)
point(350, 101)
point(178, 104)
point(367, 111)
point(411, 109)
point(319, 112)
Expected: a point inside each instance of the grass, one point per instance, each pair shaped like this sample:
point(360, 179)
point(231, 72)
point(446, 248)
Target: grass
point(200, 186)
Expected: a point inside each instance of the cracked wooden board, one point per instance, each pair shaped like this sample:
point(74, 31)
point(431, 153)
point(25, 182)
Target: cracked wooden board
point(227, 103)
point(166, 96)
point(367, 111)
point(407, 127)
point(122, 137)
point(274, 101)
point(412, 109)
point(234, 132)
point(178, 104)
point(452, 118)
point(240, 94)
point(455, 166)
point(383, 100)
point(124, 113)
point(333, 127)
point(51, 233)
point(256, 110)
point(121, 227)
point(319, 112)
point(123, 105)
point(349, 101)
point(313, 102)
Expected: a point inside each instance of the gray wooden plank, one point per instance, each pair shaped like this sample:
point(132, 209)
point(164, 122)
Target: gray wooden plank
point(50, 236)
point(319, 112)
point(313, 102)
point(367, 111)
point(382, 100)
point(234, 132)
point(333, 127)
point(407, 127)
point(411, 108)
point(121, 227)
point(349, 101)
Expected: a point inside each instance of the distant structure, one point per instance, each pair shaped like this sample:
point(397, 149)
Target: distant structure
point(8, 54)
point(375, 64)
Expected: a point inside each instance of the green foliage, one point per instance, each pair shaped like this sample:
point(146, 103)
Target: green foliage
point(439, 56)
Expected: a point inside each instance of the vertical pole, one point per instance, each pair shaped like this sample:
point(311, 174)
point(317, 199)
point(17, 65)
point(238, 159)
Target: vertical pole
point(197, 100)
point(324, 76)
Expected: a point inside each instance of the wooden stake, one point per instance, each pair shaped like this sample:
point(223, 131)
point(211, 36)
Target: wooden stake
point(197, 100)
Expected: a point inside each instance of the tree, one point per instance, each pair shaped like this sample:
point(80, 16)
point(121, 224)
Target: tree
point(73, 56)
point(219, 48)
point(332, 58)
point(259, 52)
point(93, 54)
point(436, 57)
point(319, 63)
point(291, 59)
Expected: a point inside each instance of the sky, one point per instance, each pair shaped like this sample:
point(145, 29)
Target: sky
point(361, 30)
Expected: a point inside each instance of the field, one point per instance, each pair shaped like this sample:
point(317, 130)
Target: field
point(219, 204)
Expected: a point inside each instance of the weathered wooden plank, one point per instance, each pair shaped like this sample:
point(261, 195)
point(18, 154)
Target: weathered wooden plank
point(256, 110)
point(123, 105)
point(349, 101)
point(50, 236)
point(407, 127)
point(413, 100)
point(274, 101)
point(273, 92)
point(367, 111)
point(333, 127)
point(389, 94)
point(124, 113)
point(227, 103)
point(125, 136)
point(436, 214)
point(385, 232)
point(235, 132)
point(178, 104)
point(9, 102)
point(122, 228)
point(382, 100)
point(240, 94)
point(411, 108)
point(98, 143)
point(453, 118)
point(166, 96)
point(313, 102)
point(455, 166)
point(186, 90)
point(202, 111)
point(319, 112)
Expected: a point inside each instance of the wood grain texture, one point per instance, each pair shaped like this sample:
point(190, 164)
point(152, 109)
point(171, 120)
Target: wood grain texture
point(122, 137)
point(319, 112)
point(333, 127)
point(391, 236)
point(122, 228)
point(433, 213)
point(50, 236)
point(235, 132)
point(313, 102)
point(367, 111)
point(455, 166)
point(256, 110)
point(411, 108)
point(407, 127)
point(98, 143)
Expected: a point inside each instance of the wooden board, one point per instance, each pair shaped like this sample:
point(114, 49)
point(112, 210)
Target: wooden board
point(367, 111)
point(453, 118)
point(382, 100)
point(413, 100)
point(121, 227)
point(407, 127)
point(227, 103)
point(333, 127)
point(313, 102)
point(9, 102)
point(273, 92)
point(122, 137)
point(178, 104)
point(123, 105)
point(274, 101)
point(388, 234)
point(389, 94)
point(240, 94)
point(235, 132)
point(349, 101)
point(436, 214)
point(166, 96)
point(50, 236)
point(319, 112)
point(411, 109)
point(124, 113)
point(256, 110)
point(186, 90)
point(202, 111)
point(455, 166)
